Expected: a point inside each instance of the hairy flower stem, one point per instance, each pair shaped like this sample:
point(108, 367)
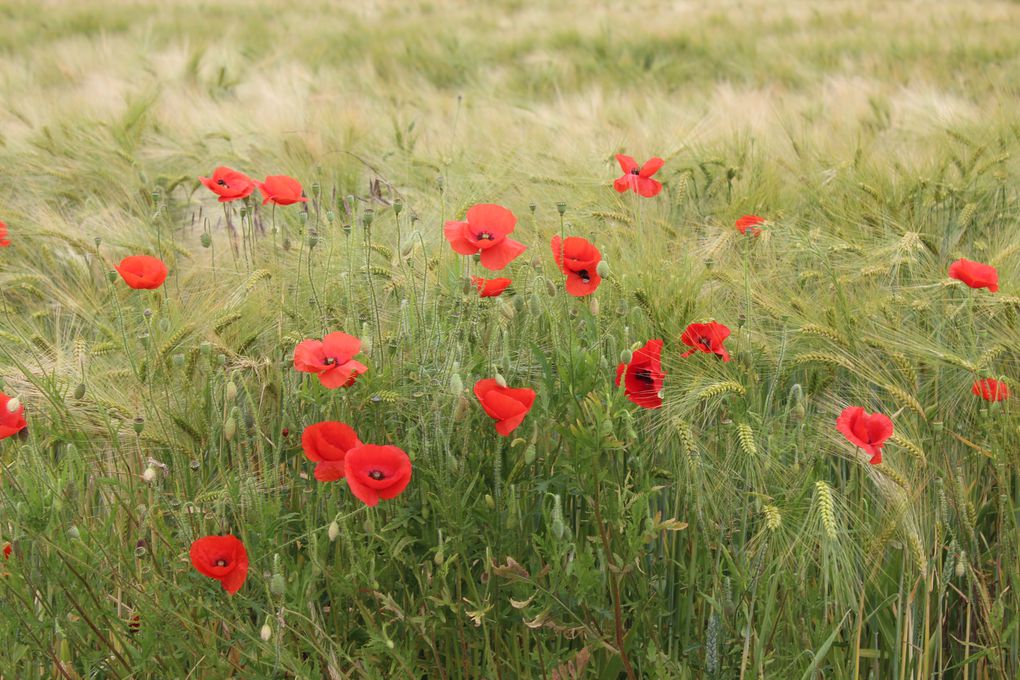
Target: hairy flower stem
point(377, 345)
point(614, 584)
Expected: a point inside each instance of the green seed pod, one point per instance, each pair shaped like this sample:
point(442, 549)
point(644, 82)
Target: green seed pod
point(626, 356)
point(79, 391)
point(398, 207)
point(138, 424)
point(205, 348)
point(98, 241)
point(367, 217)
point(561, 207)
point(178, 359)
point(111, 276)
point(205, 239)
point(313, 239)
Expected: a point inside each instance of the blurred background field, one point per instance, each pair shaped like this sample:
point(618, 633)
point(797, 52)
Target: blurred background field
point(879, 138)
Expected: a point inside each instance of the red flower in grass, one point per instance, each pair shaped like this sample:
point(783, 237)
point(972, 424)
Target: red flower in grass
point(222, 558)
point(638, 180)
point(11, 422)
point(868, 431)
point(4, 242)
point(7, 551)
point(486, 231)
point(578, 259)
point(490, 287)
point(375, 472)
point(327, 443)
point(134, 624)
point(142, 272)
point(229, 184)
point(507, 405)
point(706, 337)
point(331, 358)
point(750, 223)
point(643, 376)
point(991, 389)
point(975, 274)
point(281, 190)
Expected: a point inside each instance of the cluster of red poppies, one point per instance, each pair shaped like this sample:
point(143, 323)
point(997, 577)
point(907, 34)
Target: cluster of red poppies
point(373, 472)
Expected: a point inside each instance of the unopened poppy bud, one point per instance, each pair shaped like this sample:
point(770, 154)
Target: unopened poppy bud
point(799, 412)
point(961, 565)
point(593, 306)
point(561, 207)
point(138, 424)
point(456, 384)
point(559, 529)
point(461, 409)
point(602, 268)
point(231, 391)
point(507, 311)
point(439, 558)
point(490, 502)
point(266, 633)
point(534, 304)
point(550, 287)
point(277, 585)
point(398, 207)
point(73, 532)
point(636, 346)
point(112, 276)
point(625, 356)
point(529, 454)
point(149, 475)
point(500, 380)
point(333, 531)
point(164, 325)
point(205, 239)
point(229, 428)
point(367, 217)
point(13, 404)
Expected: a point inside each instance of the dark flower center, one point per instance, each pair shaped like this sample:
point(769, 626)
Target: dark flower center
point(705, 342)
point(645, 376)
point(485, 236)
point(329, 361)
point(636, 171)
point(222, 183)
point(376, 475)
point(585, 276)
point(221, 562)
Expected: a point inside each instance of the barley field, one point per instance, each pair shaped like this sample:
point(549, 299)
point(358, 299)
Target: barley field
point(740, 412)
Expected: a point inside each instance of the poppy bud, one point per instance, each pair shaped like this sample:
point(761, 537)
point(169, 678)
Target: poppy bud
point(536, 263)
point(205, 239)
point(231, 391)
point(164, 325)
point(398, 207)
point(439, 558)
point(149, 475)
point(13, 404)
point(529, 454)
point(626, 356)
point(456, 384)
point(244, 211)
point(602, 268)
point(593, 306)
point(636, 346)
point(277, 585)
point(266, 633)
point(138, 425)
point(532, 207)
point(534, 304)
point(229, 428)
point(73, 532)
point(367, 217)
point(461, 409)
point(507, 311)
point(961, 564)
point(500, 380)
point(561, 207)
point(550, 287)
point(559, 529)
point(799, 412)
point(333, 531)
point(490, 502)
point(112, 276)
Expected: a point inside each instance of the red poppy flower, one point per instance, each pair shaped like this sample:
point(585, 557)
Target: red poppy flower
point(868, 431)
point(375, 472)
point(490, 287)
point(134, 624)
point(11, 422)
point(991, 389)
point(975, 274)
point(750, 223)
point(222, 558)
point(706, 337)
point(507, 405)
point(643, 376)
point(327, 443)
point(229, 184)
point(7, 551)
point(281, 190)
point(142, 272)
point(331, 358)
point(578, 259)
point(638, 180)
point(4, 242)
point(486, 231)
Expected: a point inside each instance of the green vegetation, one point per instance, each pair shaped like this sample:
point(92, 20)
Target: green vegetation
point(733, 533)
